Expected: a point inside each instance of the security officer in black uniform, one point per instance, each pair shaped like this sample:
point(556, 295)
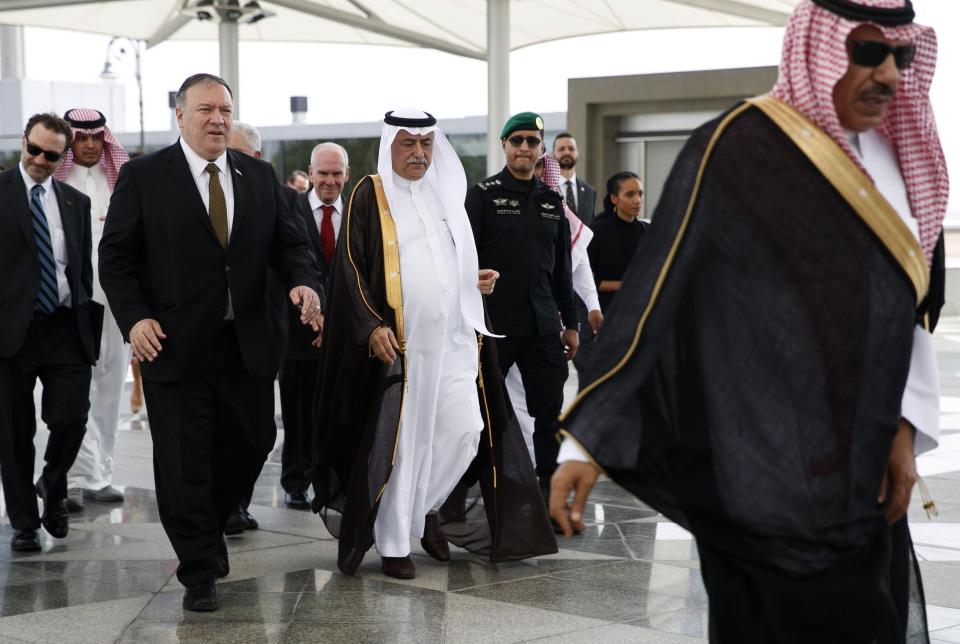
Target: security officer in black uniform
point(521, 232)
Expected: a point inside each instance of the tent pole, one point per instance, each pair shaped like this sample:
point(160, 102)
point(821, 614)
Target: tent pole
point(498, 79)
point(11, 52)
point(230, 60)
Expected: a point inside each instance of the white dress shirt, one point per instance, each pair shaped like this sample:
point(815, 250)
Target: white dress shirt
point(58, 238)
point(198, 170)
point(573, 188)
point(315, 207)
point(921, 397)
point(93, 182)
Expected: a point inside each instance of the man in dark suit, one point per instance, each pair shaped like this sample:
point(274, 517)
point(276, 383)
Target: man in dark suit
point(322, 209)
point(183, 260)
point(46, 330)
point(246, 139)
point(580, 196)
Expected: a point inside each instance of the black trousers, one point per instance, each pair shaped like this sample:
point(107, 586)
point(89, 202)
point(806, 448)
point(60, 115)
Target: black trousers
point(211, 435)
point(299, 381)
point(543, 370)
point(51, 352)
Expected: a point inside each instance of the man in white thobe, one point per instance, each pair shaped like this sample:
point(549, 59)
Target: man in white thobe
point(440, 423)
point(409, 310)
point(91, 166)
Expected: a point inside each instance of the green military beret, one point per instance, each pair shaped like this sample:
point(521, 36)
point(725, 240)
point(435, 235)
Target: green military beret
point(521, 121)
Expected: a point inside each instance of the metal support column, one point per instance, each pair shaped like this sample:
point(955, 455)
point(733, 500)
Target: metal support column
point(498, 79)
point(230, 60)
point(12, 58)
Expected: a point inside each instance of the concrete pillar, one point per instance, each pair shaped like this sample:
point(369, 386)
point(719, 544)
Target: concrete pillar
point(230, 60)
point(498, 79)
point(12, 58)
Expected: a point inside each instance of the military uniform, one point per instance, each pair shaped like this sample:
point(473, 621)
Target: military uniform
point(521, 232)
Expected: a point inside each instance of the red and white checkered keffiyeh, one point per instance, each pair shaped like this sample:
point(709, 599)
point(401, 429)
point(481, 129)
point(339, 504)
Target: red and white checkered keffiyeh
point(113, 155)
point(815, 58)
point(579, 234)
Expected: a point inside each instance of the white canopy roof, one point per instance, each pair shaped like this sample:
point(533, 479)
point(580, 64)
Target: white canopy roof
point(484, 29)
point(458, 26)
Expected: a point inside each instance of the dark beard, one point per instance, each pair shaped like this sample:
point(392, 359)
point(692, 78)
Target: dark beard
point(566, 162)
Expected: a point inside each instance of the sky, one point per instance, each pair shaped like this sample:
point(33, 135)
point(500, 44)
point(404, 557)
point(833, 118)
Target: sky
point(349, 83)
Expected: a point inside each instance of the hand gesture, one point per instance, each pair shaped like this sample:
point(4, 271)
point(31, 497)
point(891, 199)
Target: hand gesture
point(306, 299)
point(384, 344)
point(145, 338)
point(317, 341)
point(900, 476)
point(488, 279)
point(571, 342)
point(595, 318)
point(577, 477)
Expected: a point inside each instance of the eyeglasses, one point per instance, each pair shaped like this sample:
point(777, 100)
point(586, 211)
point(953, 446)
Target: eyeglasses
point(531, 141)
point(35, 150)
point(871, 53)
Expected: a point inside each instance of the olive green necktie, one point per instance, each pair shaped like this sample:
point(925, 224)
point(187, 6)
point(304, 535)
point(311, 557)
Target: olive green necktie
point(218, 205)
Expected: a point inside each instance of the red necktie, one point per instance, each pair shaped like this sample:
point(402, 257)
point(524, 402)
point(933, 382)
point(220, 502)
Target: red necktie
point(328, 242)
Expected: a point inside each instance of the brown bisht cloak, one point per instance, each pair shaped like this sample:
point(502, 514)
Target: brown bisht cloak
point(496, 510)
point(748, 379)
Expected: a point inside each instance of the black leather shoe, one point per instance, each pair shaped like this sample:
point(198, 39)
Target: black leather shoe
point(251, 522)
point(25, 541)
point(106, 494)
point(223, 561)
point(55, 517)
point(298, 501)
point(201, 597)
point(236, 523)
point(398, 567)
point(433, 541)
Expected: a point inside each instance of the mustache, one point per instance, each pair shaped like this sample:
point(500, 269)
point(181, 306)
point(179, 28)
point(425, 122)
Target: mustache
point(417, 161)
point(879, 90)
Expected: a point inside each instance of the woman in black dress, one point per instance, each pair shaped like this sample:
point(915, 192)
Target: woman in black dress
point(616, 234)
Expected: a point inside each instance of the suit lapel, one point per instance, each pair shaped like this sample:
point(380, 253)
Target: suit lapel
point(72, 235)
point(17, 197)
point(312, 231)
point(179, 171)
point(240, 185)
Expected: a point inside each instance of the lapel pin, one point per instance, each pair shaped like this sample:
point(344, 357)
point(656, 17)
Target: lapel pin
point(237, 170)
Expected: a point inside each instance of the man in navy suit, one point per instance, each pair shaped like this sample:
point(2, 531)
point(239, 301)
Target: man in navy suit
point(189, 234)
point(46, 328)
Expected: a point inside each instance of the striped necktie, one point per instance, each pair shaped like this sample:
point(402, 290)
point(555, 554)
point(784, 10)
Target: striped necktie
point(48, 297)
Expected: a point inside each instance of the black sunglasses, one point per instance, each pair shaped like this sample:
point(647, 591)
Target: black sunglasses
point(870, 53)
point(517, 141)
point(35, 150)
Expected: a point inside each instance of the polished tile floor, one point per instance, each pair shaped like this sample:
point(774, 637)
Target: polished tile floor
point(632, 577)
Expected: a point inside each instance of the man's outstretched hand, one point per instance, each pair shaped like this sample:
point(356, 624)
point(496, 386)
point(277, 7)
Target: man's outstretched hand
point(577, 477)
point(901, 474)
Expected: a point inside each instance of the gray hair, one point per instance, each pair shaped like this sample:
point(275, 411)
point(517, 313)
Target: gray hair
point(329, 145)
point(249, 134)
